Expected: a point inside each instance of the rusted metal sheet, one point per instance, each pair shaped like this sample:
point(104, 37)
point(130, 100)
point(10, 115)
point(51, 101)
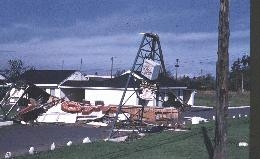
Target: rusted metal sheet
point(150, 114)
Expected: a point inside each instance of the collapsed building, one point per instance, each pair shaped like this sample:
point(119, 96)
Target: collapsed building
point(104, 93)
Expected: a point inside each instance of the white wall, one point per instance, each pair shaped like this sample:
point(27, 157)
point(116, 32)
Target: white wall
point(191, 100)
point(48, 90)
point(113, 96)
point(109, 96)
point(57, 93)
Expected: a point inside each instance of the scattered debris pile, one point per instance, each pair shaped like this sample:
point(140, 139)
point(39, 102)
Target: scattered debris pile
point(26, 102)
point(32, 104)
point(151, 114)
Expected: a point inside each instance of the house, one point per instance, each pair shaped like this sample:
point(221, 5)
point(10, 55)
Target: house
point(110, 91)
point(50, 80)
point(73, 85)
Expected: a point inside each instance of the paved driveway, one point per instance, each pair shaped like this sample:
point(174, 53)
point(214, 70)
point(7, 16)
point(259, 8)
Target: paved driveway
point(19, 138)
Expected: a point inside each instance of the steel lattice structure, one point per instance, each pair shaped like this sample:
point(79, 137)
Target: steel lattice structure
point(149, 48)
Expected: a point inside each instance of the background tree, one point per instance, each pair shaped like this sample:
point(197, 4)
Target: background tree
point(239, 74)
point(245, 71)
point(188, 82)
point(168, 74)
point(205, 82)
point(208, 82)
point(15, 69)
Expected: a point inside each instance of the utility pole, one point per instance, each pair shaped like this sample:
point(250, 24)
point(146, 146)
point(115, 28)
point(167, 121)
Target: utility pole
point(80, 64)
point(242, 82)
point(220, 149)
point(62, 64)
point(176, 67)
point(112, 63)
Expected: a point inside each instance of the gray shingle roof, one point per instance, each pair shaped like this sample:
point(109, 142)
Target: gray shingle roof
point(46, 76)
point(120, 82)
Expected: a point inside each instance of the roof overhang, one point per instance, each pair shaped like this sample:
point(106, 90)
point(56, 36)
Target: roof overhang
point(173, 87)
point(96, 88)
point(47, 85)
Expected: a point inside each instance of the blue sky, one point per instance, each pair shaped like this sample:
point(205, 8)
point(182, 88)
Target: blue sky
point(43, 33)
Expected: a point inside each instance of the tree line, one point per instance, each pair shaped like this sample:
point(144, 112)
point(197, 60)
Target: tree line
point(239, 77)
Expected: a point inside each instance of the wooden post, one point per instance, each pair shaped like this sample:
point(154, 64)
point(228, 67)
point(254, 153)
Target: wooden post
point(220, 149)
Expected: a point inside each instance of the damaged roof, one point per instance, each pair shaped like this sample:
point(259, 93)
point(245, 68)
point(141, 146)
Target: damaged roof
point(46, 76)
point(117, 82)
point(120, 82)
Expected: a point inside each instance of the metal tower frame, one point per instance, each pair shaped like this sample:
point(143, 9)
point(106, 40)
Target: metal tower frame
point(150, 48)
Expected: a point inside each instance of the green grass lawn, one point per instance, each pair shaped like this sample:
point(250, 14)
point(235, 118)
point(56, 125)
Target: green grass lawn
point(208, 98)
point(175, 145)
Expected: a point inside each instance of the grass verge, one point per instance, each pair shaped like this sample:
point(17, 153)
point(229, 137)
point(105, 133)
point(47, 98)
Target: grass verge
point(208, 98)
point(179, 145)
